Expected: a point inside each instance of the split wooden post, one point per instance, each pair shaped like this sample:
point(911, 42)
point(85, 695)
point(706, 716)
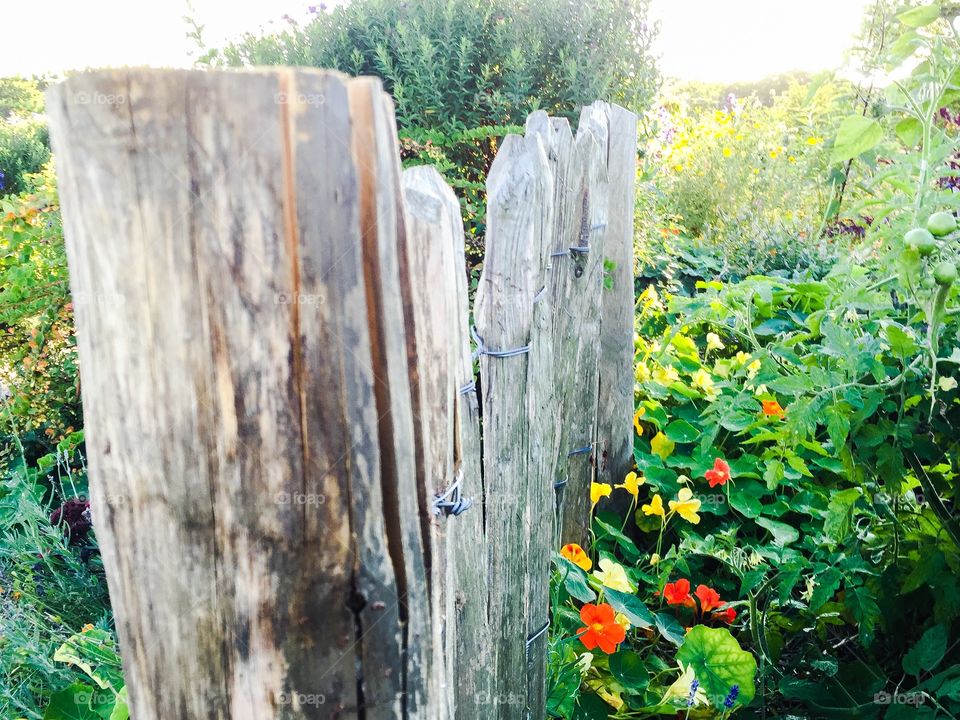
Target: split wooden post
point(246, 391)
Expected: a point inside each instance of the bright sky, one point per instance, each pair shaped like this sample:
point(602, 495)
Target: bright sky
point(713, 40)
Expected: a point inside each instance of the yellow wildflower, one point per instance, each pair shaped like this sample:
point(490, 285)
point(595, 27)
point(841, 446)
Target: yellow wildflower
point(727, 152)
point(753, 368)
point(814, 140)
point(686, 506)
point(642, 372)
point(654, 508)
point(703, 382)
point(661, 445)
point(641, 411)
point(741, 358)
point(599, 490)
point(631, 483)
point(665, 375)
point(613, 576)
point(714, 342)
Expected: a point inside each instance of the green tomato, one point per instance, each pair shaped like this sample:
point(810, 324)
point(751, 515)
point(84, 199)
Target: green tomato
point(922, 240)
point(945, 273)
point(941, 223)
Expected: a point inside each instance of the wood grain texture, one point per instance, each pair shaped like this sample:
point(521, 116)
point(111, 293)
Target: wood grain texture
point(615, 406)
point(520, 418)
point(248, 408)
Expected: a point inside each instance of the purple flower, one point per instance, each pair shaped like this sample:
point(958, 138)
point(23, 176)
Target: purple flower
point(694, 686)
point(731, 696)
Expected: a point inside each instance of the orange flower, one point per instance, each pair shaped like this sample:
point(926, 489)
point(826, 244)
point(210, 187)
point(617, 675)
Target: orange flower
point(719, 474)
point(772, 408)
point(727, 616)
point(709, 598)
point(601, 628)
point(86, 628)
point(678, 593)
point(575, 554)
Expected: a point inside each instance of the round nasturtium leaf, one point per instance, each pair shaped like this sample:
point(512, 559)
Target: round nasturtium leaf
point(718, 663)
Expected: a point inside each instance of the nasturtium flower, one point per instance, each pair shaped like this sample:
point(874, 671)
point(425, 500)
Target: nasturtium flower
point(753, 368)
point(622, 621)
point(741, 358)
point(702, 381)
point(714, 342)
point(613, 576)
point(678, 593)
point(599, 490)
point(642, 372)
point(686, 506)
point(575, 554)
point(947, 383)
point(584, 663)
point(654, 508)
point(708, 597)
point(772, 408)
point(600, 628)
point(727, 615)
point(666, 375)
point(641, 411)
point(631, 483)
point(719, 474)
point(655, 558)
point(661, 445)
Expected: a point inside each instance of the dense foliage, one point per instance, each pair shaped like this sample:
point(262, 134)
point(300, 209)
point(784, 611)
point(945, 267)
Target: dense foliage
point(796, 432)
point(464, 73)
point(24, 146)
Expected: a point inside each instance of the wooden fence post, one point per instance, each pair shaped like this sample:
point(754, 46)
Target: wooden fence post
point(614, 436)
point(449, 413)
point(249, 415)
point(520, 419)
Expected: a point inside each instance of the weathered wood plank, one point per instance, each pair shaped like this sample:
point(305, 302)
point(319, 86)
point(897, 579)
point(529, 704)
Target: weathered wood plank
point(615, 405)
point(250, 428)
point(520, 418)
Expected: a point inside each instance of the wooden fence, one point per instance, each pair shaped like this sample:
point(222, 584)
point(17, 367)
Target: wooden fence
point(308, 504)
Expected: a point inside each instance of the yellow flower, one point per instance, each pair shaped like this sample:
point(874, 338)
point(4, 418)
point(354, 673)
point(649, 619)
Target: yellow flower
point(814, 140)
point(774, 154)
point(678, 167)
point(727, 152)
point(947, 383)
point(642, 372)
point(613, 576)
point(655, 558)
point(575, 554)
point(599, 490)
point(641, 411)
point(662, 445)
point(665, 375)
point(792, 159)
point(686, 506)
point(714, 342)
point(753, 368)
point(631, 483)
point(655, 507)
point(621, 620)
point(702, 381)
point(741, 358)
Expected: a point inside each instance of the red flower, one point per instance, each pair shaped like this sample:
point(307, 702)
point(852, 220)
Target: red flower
point(678, 593)
point(728, 615)
point(720, 473)
point(601, 628)
point(709, 598)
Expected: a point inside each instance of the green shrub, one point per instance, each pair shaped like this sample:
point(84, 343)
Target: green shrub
point(463, 73)
point(24, 149)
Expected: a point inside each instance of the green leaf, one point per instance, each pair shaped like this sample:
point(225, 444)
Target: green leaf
point(856, 135)
point(909, 130)
point(920, 16)
point(625, 543)
point(773, 474)
point(574, 580)
point(121, 710)
point(837, 524)
point(902, 345)
point(680, 431)
point(783, 534)
point(629, 669)
point(718, 663)
point(93, 652)
point(828, 581)
point(591, 707)
point(928, 652)
point(671, 630)
point(631, 606)
point(75, 702)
